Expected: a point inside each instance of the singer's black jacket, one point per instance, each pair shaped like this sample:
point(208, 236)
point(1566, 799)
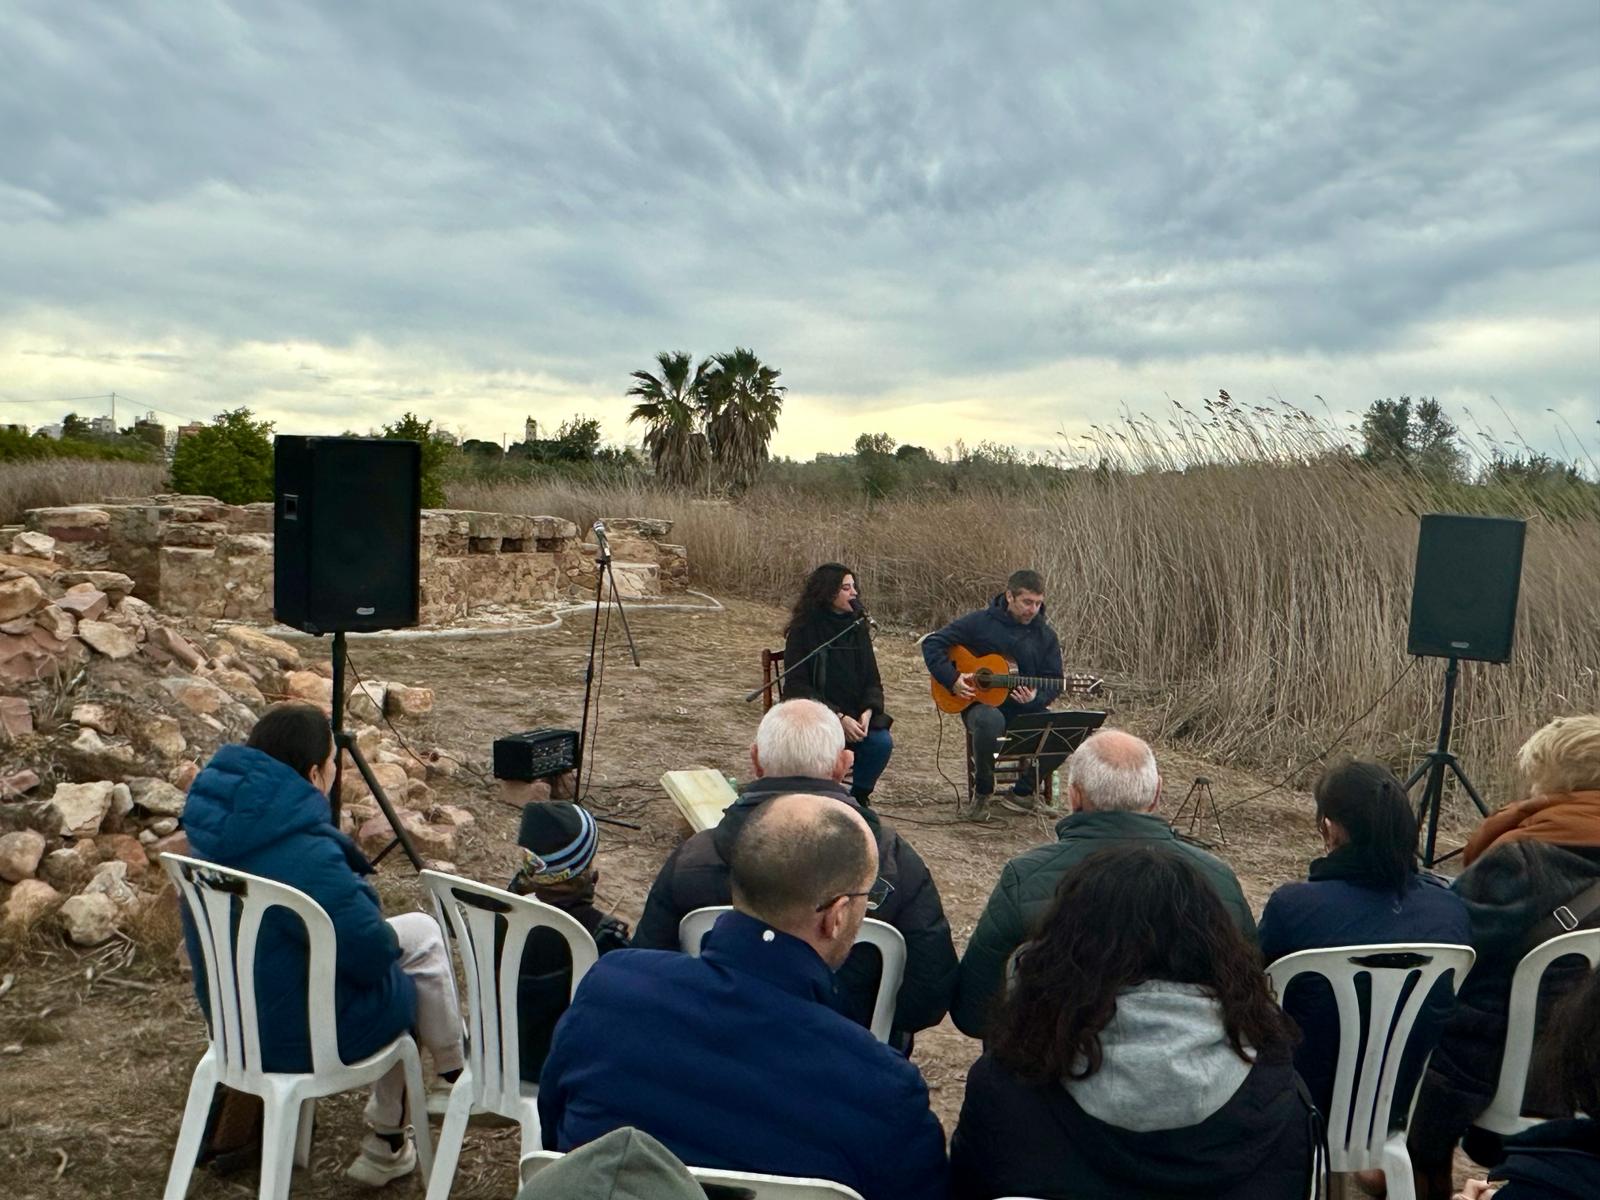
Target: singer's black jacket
point(844, 676)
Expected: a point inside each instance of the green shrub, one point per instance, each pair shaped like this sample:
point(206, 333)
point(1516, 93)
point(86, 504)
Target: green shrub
point(230, 459)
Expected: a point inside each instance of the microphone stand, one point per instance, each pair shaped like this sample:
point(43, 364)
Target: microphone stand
point(602, 573)
point(784, 674)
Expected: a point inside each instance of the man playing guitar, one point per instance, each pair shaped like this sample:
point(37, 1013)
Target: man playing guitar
point(1013, 625)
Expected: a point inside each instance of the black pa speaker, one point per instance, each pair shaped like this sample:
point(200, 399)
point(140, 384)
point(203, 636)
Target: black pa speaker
point(1464, 596)
point(346, 527)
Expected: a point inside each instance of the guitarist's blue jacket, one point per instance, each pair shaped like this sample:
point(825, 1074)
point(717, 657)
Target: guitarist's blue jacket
point(993, 630)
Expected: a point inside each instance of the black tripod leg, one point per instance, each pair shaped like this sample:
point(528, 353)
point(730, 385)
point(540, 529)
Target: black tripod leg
point(1432, 797)
point(1461, 777)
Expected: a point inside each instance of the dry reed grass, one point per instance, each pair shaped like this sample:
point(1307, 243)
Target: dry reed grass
point(56, 481)
point(1261, 598)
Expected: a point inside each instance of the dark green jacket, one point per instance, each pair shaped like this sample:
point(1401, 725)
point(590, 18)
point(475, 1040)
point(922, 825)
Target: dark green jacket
point(1028, 885)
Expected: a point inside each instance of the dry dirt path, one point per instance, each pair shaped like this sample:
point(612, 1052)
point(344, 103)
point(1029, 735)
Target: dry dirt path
point(91, 1095)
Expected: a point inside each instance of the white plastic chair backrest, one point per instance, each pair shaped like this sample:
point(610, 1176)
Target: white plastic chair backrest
point(1504, 1114)
point(227, 908)
point(475, 912)
point(1369, 1059)
point(763, 1187)
point(890, 944)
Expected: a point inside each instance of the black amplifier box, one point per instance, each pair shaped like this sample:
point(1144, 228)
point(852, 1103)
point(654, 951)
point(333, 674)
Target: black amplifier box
point(536, 754)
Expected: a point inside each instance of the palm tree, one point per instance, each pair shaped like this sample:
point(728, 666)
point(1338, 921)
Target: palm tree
point(672, 404)
point(742, 400)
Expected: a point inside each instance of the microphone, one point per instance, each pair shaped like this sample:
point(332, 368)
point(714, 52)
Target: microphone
point(860, 611)
point(600, 537)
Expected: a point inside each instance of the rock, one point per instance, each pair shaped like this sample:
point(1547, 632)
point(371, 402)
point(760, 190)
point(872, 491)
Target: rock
point(179, 647)
point(237, 684)
point(86, 602)
point(369, 738)
point(29, 544)
point(13, 786)
point(68, 870)
point(73, 523)
point(419, 795)
point(183, 774)
point(79, 808)
point(148, 837)
point(99, 717)
point(111, 877)
point(172, 843)
point(434, 841)
point(310, 687)
point(56, 621)
point(127, 850)
point(16, 718)
point(157, 796)
point(28, 903)
point(108, 639)
point(377, 833)
point(121, 800)
point(21, 596)
point(451, 814)
point(161, 734)
point(253, 641)
point(403, 701)
point(18, 626)
point(161, 826)
point(114, 584)
point(89, 919)
point(517, 793)
point(20, 853)
point(366, 700)
point(89, 754)
point(440, 765)
point(199, 696)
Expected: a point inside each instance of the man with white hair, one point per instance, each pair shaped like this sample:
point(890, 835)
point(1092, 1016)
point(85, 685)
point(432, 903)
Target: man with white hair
point(799, 748)
point(1113, 788)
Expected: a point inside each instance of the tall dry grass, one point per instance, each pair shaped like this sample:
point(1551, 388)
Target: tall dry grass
point(1258, 601)
point(46, 483)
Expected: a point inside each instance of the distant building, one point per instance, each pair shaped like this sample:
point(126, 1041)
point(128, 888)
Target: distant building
point(51, 431)
point(103, 427)
point(187, 430)
point(530, 430)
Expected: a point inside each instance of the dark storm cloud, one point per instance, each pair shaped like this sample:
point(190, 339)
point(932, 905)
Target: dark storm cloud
point(876, 197)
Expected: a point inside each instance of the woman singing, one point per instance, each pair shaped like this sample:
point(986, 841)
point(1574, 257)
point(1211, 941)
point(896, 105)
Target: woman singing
point(844, 676)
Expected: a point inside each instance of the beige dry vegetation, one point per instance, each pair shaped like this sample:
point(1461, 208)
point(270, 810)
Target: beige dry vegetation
point(55, 481)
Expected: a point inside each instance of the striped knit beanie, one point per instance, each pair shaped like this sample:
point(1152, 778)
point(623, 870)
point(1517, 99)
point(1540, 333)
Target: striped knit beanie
point(561, 838)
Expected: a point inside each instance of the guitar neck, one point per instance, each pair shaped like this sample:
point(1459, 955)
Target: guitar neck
point(1067, 683)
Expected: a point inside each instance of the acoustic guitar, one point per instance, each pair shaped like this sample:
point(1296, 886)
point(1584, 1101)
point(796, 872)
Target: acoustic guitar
point(993, 677)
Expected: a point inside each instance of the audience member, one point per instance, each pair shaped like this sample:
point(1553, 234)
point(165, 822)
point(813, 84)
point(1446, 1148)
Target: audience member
point(1523, 863)
point(561, 841)
point(1365, 890)
point(799, 748)
point(1113, 788)
point(736, 1058)
point(625, 1164)
point(1138, 1051)
point(263, 808)
point(1560, 1159)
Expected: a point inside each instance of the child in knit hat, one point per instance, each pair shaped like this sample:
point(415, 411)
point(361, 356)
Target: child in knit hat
point(560, 840)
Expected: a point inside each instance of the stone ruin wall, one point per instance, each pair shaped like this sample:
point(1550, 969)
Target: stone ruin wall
point(194, 556)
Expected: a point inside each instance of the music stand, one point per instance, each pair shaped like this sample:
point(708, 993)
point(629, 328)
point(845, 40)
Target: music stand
point(1032, 736)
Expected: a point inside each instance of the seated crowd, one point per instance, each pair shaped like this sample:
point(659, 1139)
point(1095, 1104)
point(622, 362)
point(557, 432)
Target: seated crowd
point(1132, 1045)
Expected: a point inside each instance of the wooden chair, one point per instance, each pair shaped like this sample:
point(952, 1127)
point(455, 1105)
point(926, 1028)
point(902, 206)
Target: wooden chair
point(1008, 769)
point(771, 668)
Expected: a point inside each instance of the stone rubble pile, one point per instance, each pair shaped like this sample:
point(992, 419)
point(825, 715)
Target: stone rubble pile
point(111, 707)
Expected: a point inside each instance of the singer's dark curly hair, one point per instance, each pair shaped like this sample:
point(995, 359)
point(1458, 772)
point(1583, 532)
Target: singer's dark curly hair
point(1121, 917)
point(822, 585)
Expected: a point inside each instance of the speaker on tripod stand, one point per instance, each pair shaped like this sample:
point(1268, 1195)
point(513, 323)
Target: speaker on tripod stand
point(1463, 606)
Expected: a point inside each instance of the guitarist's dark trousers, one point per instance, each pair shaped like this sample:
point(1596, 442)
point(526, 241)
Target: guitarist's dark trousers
point(986, 727)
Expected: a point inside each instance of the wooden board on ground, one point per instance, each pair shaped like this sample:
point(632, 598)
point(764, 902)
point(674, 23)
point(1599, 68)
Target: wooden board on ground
point(700, 794)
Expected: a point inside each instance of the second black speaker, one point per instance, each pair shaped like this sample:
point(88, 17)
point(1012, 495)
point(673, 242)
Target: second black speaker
point(346, 526)
point(1464, 596)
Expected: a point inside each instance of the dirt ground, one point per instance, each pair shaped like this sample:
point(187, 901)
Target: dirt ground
point(96, 1048)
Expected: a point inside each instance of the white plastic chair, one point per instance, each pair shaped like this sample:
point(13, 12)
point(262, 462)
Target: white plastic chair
point(491, 1079)
point(761, 1187)
point(1364, 1081)
point(1504, 1114)
point(227, 907)
point(891, 945)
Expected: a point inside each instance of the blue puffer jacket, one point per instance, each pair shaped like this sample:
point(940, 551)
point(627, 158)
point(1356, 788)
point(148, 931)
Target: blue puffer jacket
point(249, 811)
point(993, 630)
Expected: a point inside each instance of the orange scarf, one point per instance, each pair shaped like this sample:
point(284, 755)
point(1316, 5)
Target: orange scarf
point(1560, 818)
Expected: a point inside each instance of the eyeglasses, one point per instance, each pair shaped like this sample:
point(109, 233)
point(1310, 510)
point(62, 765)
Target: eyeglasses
point(876, 895)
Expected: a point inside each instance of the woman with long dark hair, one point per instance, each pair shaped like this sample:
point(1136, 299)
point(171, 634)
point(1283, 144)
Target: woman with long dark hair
point(844, 675)
point(1137, 1052)
point(1364, 890)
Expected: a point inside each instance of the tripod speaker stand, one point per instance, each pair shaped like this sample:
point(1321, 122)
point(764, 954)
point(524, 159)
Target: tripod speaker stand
point(344, 743)
point(603, 574)
point(1435, 765)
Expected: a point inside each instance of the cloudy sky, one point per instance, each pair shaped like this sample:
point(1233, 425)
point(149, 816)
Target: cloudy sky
point(940, 220)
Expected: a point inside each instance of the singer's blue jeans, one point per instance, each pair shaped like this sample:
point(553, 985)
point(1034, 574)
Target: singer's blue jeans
point(872, 756)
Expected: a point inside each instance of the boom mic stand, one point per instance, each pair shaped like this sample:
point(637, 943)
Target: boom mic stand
point(602, 573)
point(345, 741)
point(784, 674)
point(1434, 765)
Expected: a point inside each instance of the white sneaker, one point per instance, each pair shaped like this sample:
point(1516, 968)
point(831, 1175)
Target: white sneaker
point(377, 1165)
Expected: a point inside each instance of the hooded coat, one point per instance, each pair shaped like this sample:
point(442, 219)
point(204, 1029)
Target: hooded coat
point(1172, 1112)
point(844, 676)
point(993, 630)
point(249, 811)
point(696, 875)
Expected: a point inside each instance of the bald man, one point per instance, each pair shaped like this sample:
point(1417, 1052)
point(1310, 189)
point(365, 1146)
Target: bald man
point(1113, 789)
point(737, 1059)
